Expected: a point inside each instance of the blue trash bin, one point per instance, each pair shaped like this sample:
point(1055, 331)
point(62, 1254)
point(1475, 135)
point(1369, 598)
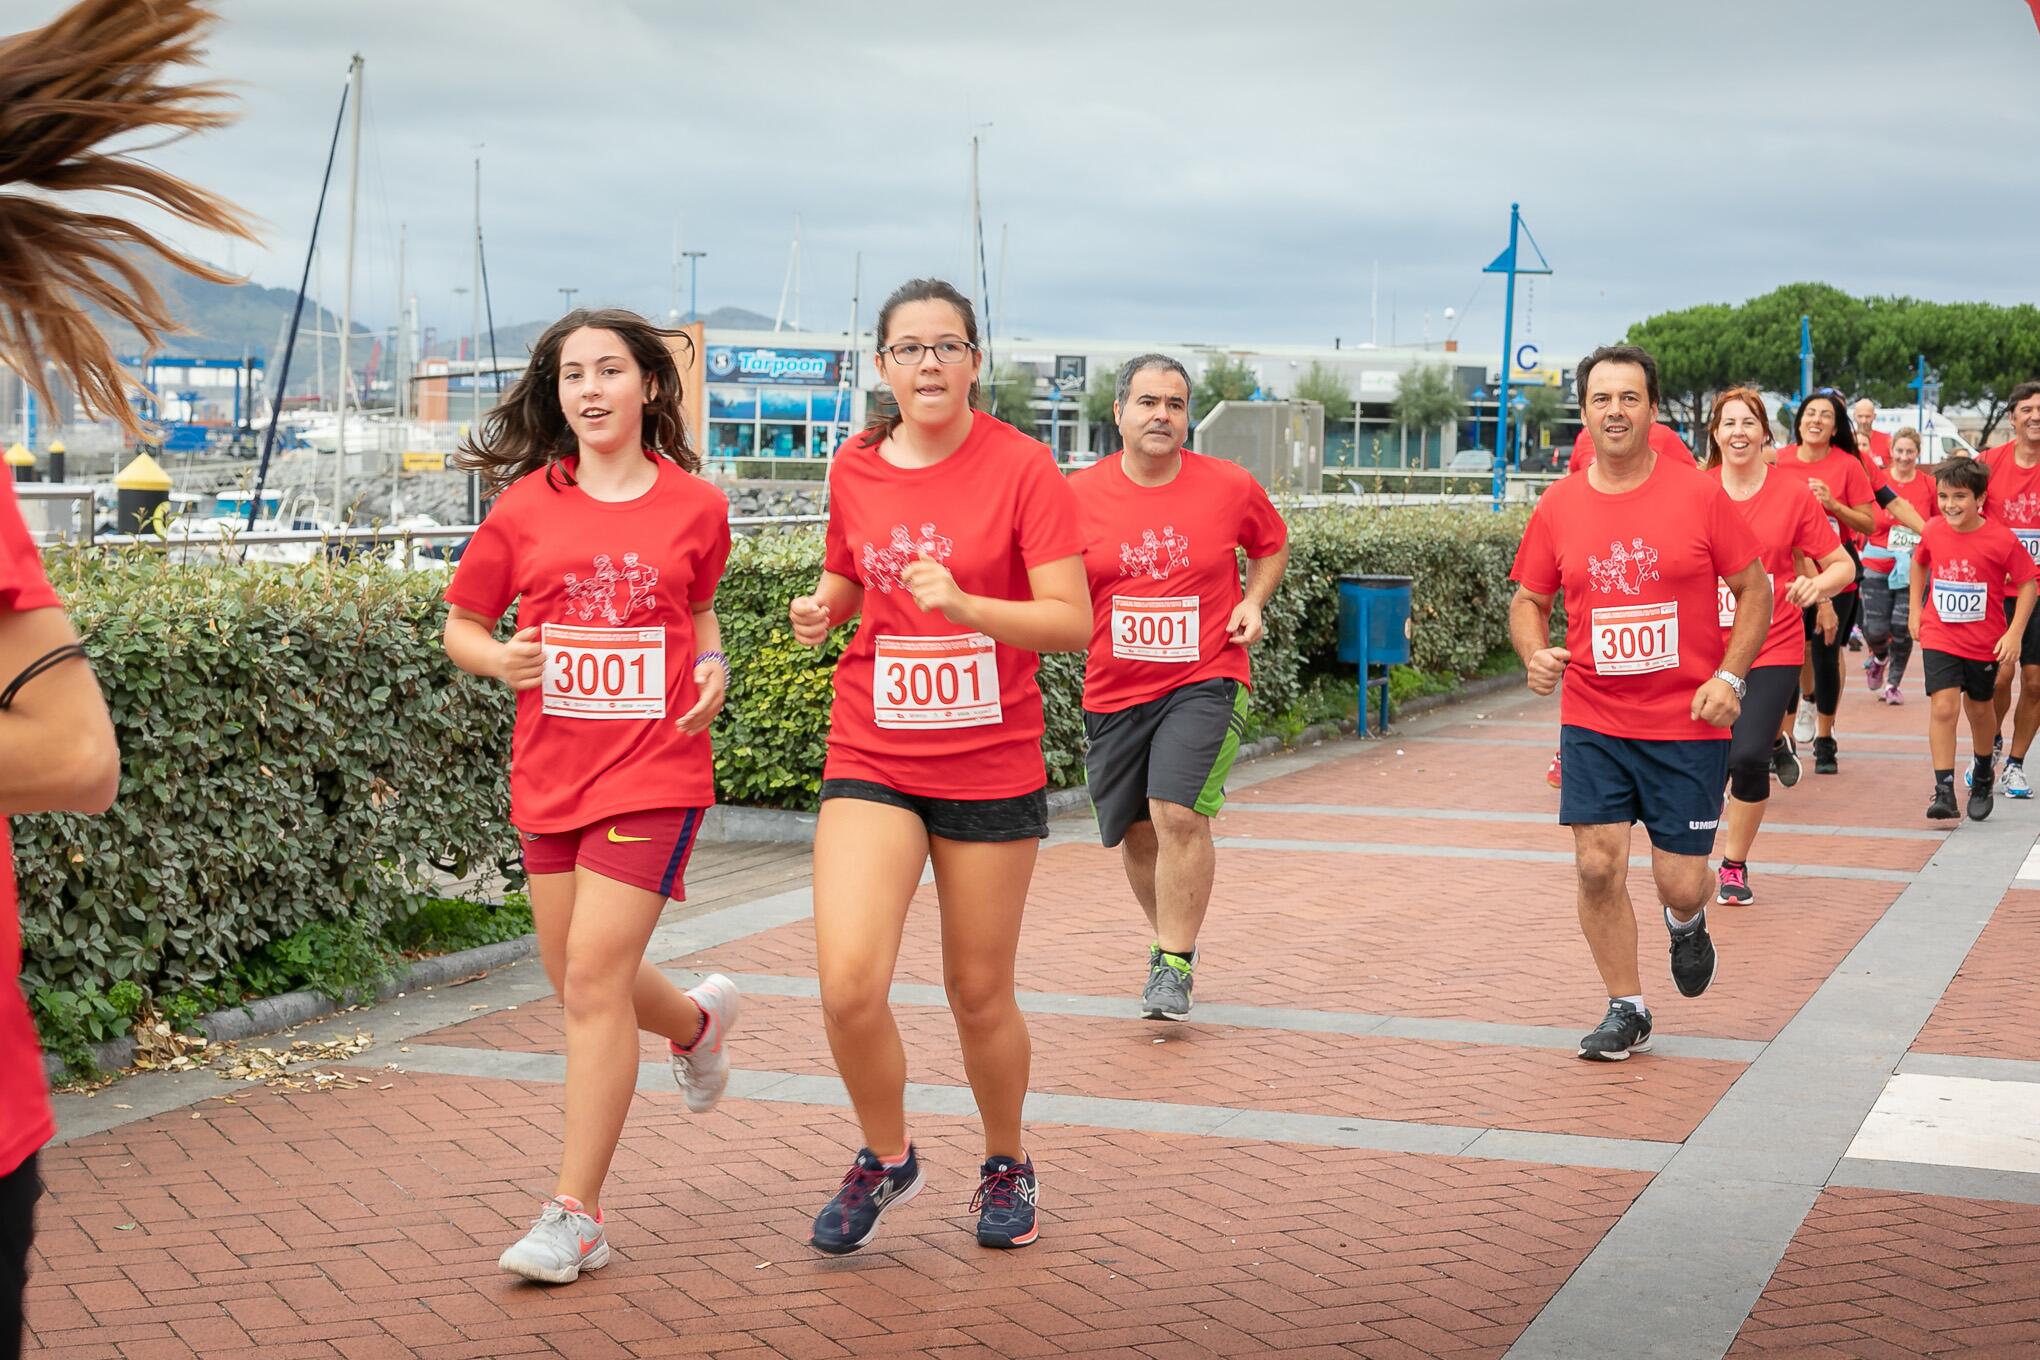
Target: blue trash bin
point(1374, 630)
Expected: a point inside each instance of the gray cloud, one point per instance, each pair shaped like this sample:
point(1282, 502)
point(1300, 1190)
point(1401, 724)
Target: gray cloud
point(1192, 170)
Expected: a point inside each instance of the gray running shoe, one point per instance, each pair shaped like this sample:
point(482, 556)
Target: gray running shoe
point(703, 1071)
point(1167, 994)
point(561, 1244)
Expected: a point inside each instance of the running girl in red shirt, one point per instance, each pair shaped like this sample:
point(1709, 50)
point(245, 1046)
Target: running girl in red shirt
point(1849, 490)
point(956, 539)
point(92, 74)
point(1886, 561)
point(1787, 522)
point(611, 546)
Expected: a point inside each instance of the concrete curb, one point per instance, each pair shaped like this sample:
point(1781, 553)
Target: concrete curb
point(272, 1014)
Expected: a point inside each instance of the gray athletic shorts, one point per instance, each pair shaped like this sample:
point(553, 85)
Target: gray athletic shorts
point(1178, 748)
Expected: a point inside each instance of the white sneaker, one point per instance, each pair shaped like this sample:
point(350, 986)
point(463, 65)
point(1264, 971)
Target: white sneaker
point(1802, 726)
point(561, 1244)
point(703, 1071)
point(2013, 783)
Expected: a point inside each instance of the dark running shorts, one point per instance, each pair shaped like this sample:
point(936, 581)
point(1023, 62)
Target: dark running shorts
point(1976, 679)
point(2029, 645)
point(1178, 748)
point(1022, 817)
point(1674, 788)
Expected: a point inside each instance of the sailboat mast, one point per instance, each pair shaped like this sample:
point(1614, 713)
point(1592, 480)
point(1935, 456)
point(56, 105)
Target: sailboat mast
point(347, 294)
point(399, 376)
point(475, 329)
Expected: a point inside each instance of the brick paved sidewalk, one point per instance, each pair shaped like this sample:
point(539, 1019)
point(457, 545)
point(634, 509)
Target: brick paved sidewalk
point(1374, 1140)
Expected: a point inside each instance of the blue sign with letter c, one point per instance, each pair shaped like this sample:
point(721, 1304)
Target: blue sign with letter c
point(1526, 356)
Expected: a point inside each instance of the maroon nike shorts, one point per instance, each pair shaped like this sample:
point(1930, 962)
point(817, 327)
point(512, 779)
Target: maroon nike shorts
point(646, 849)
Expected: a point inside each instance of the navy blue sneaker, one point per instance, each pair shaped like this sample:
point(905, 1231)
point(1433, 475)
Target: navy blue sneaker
point(1005, 1202)
point(869, 1189)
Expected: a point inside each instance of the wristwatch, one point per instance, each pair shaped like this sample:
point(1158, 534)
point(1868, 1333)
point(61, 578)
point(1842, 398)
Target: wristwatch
point(1734, 682)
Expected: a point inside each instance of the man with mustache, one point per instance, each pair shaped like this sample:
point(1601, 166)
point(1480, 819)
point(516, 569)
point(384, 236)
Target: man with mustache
point(1165, 682)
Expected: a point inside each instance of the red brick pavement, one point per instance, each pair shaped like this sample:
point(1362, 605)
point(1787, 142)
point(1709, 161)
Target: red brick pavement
point(1490, 940)
point(1988, 1011)
point(365, 1223)
point(1488, 1086)
point(1874, 1274)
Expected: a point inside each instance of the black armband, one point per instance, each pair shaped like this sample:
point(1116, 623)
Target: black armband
point(1885, 496)
point(46, 662)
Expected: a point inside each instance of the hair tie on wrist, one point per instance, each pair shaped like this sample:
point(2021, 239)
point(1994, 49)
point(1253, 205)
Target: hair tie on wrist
point(716, 656)
point(47, 661)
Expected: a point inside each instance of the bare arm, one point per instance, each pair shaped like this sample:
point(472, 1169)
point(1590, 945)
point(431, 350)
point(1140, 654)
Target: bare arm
point(1903, 510)
point(1530, 632)
point(57, 750)
point(1263, 575)
point(1862, 518)
point(1056, 619)
point(1752, 587)
point(470, 640)
point(836, 599)
point(711, 678)
point(1813, 586)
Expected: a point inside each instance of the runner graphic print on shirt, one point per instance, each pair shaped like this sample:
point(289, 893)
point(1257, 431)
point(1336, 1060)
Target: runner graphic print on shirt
point(1624, 570)
point(589, 596)
point(880, 568)
point(1156, 557)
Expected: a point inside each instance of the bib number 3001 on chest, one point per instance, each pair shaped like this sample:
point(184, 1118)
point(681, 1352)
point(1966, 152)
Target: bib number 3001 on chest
point(1633, 639)
point(604, 672)
point(934, 682)
point(1157, 628)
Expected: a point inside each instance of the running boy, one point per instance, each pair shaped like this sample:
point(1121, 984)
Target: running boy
point(1962, 565)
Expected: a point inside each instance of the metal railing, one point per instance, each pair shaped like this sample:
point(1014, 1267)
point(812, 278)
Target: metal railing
point(42, 504)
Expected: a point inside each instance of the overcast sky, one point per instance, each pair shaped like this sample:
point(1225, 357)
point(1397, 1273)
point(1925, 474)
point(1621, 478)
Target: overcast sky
point(1186, 171)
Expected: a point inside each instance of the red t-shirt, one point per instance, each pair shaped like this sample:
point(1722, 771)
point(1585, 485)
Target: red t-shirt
point(1847, 481)
point(1961, 577)
point(1164, 578)
point(1663, 440)
point(1783, 515)
point(1878, 448)
point(1878, 553)
point(2013, 496)
point(955, 714)
point(25, 1119)
point(614, 586)
point(1640, 573)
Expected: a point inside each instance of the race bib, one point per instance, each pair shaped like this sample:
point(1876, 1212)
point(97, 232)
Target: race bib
point(1633, 639)
point(1724, 602)
point(1904, 540)
point(928, 682)
point(604, 672)
point(1959, 601)
point(1154, 629)
point(2029, 539)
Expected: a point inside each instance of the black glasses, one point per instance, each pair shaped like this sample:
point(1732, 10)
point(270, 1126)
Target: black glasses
point(946, 351)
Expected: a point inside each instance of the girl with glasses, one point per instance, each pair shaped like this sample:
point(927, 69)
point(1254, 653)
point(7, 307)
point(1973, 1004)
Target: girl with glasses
point(953, 541)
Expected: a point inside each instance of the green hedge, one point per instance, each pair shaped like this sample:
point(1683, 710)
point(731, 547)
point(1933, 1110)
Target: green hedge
point(299, 750)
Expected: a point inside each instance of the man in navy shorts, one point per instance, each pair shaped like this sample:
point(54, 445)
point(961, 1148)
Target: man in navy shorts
point(1641, 545)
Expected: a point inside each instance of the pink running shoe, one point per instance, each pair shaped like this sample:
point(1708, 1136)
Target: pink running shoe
point(1892, 695)
point(1733, 885)
point(1551, 775)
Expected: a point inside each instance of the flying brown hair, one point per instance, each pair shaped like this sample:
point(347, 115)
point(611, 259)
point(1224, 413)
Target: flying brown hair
point(95, 73)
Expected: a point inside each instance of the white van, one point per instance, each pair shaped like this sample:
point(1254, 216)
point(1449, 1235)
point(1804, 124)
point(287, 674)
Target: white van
point(1938, 436)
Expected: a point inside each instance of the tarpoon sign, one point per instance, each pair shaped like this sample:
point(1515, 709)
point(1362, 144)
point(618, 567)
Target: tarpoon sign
point(786, 367)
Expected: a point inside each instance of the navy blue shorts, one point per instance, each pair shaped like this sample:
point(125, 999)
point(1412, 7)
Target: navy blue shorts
point(1674, 788)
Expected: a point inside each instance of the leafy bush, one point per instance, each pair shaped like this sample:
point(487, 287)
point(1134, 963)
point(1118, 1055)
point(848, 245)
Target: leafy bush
point(304, 767)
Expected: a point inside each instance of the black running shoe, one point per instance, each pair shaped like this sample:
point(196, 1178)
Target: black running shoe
point(1824, 761)
point(1943, 808)
point(1692, 956)
point(869, 1189)
point(1623, 1030)
point(1004, 1202)
point(1980, 800)
point(1785, 761)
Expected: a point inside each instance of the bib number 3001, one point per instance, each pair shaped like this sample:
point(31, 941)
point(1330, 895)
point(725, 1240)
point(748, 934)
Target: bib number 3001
point(1633, 639)
point(933, 682)
point(1158, 628)
point(604, 672)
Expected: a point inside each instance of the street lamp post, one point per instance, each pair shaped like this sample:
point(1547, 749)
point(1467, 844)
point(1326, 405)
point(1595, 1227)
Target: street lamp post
point(567, 296)
point(693, 258)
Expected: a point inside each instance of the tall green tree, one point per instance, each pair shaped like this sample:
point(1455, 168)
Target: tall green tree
point(1543, 407)
point(1328, 388)
point(1425, 399)
point(1225, 378)
point(1009, 394)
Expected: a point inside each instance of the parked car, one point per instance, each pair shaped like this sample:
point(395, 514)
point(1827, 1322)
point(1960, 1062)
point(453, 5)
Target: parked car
point(1471, 460)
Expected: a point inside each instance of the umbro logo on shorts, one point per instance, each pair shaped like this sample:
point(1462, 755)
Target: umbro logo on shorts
point(1703, 826)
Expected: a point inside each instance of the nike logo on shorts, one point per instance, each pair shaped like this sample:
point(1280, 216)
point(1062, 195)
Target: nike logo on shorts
point(617, 839)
